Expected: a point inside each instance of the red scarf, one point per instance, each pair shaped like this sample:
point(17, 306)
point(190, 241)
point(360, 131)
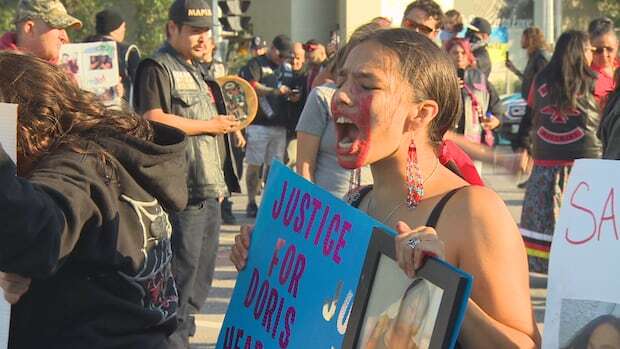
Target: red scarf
point(454, 158)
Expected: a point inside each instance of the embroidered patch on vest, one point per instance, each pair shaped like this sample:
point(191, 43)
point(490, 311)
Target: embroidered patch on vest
point(184, 80)
point(543, 90)
point(561, 138)
point(556, 115)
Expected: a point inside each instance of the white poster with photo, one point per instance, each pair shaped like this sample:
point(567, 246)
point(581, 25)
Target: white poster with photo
point(8, 138)
point(95, 67)
point(583, 299)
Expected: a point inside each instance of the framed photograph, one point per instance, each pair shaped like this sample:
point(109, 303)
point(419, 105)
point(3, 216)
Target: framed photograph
point(393, 311)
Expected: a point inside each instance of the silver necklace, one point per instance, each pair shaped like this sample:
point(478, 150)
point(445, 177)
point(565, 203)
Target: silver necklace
point(386, 221)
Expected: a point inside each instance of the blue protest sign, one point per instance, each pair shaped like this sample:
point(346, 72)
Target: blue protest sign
point(305, 261)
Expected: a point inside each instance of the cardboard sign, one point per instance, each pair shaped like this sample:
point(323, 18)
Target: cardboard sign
point(305, 261)
point(584, 289)
point(94, 65)
point(8, 139)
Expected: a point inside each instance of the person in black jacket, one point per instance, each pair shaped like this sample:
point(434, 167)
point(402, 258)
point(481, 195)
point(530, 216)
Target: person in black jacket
point(533, 41)
point(478, 33)
point(85, 216)
point(110, 26)
point(563, 121)
point(266, 136)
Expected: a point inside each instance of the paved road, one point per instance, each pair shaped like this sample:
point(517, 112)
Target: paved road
point(210, 320)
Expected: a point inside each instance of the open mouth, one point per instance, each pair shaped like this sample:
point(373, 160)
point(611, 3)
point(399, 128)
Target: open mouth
point(348, 136)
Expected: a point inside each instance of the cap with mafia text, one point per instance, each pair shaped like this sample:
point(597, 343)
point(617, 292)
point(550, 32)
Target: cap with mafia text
point(52, 12)
point(196, 13)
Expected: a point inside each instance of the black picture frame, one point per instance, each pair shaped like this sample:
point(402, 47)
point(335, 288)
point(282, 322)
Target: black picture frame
point(449, 304)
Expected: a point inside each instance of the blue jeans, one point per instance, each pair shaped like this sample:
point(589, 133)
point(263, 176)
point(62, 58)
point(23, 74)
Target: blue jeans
point(195, 240)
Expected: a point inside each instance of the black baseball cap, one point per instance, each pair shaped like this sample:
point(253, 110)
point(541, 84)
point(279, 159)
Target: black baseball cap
point(196, 13)
point(283, 44)
point(480, 25)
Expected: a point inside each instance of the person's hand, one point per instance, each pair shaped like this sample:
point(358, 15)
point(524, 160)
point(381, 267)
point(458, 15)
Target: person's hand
point(225, 124)
point(239, 252)
point(239, 139)
point(14, 286)
point(120, 89)
point(461, 83)
point(519, 162)
point(510, 65)
point(284, 90)
point(490, 123)
point(413, 245)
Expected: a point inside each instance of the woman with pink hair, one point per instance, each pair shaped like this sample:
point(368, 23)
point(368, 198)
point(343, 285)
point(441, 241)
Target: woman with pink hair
point(481, 104)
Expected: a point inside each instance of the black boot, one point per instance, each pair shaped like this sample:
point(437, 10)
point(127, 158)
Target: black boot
point(227, 215)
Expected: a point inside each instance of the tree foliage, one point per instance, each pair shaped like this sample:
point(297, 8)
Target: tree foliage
point(146, 19)
point(576, 14)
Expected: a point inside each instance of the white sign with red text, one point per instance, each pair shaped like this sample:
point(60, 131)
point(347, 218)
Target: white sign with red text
point(584, 287)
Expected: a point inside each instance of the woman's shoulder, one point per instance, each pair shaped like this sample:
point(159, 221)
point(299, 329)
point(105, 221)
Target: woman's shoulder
point(477, 213)
point(478, 200)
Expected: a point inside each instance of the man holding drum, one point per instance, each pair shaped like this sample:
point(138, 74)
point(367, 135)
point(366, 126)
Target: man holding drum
point(170, 89)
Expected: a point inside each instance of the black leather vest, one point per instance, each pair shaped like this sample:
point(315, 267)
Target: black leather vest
point(194, 98)
point(564, 135)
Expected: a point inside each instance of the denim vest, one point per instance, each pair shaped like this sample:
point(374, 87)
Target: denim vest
point(193, 98)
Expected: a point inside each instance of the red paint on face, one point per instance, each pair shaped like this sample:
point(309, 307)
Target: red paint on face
point(359, 114)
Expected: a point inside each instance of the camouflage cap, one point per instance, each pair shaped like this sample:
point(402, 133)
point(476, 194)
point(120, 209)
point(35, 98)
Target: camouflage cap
point(52, 12)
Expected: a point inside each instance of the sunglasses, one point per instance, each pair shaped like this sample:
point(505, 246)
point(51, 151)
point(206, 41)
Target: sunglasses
point(418, 27)
point(599, 50)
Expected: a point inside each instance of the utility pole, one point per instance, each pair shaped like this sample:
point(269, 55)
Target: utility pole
point(558, 19)
point(548, 16)
point(217, 29)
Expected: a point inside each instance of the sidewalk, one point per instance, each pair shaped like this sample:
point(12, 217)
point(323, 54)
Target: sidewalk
point(208, 323)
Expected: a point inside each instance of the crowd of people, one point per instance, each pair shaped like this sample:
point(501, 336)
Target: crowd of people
point(113, 216)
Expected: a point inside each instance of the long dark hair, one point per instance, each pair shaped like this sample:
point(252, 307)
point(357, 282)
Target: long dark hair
point(535, 39)
point(581, 339)
point(54, 112)
point(430, 72)
point(568, 74)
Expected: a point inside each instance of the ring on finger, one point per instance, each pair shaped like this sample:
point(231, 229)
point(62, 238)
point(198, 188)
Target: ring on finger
point(413, 243)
